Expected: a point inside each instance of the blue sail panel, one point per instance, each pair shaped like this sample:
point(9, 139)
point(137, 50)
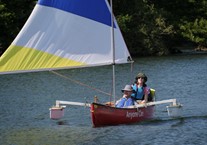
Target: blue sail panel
point(96, 10)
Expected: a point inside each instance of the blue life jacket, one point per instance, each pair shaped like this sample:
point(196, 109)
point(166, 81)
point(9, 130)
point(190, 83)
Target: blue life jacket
point(138, 92)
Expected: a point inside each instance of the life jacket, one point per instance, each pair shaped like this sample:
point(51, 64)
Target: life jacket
point(138, 93)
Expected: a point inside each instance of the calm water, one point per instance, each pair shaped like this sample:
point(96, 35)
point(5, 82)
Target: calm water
point(25, 100)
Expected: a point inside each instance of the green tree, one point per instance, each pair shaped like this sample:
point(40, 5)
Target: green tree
point(13, 15)
point(145, 29)
point(188, 18)
point(195, 29)
point(196, 32)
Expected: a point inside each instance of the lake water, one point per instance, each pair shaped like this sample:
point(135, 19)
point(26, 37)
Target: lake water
point(25, 100)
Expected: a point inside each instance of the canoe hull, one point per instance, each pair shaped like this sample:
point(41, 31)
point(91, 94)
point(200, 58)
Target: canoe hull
point(103, 115)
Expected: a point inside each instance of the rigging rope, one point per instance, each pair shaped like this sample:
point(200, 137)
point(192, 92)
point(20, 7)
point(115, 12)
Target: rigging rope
point(82, 84)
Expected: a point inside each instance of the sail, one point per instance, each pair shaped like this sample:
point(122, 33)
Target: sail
point(65, 34)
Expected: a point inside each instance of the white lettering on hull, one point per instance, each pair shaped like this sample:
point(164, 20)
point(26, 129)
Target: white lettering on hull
point(131, 115)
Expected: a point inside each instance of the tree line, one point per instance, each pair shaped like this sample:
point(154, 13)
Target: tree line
point(149, 27)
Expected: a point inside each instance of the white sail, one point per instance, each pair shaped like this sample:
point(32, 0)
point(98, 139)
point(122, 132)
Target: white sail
point(63, 34)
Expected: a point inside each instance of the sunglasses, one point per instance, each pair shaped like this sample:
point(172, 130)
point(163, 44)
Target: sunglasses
point(140, 78)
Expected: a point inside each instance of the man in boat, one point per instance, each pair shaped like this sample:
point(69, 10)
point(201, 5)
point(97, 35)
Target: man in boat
point(126, 100)
point(141, 91)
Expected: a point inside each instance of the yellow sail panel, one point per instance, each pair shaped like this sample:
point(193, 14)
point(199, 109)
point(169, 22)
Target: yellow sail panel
point(18, 58)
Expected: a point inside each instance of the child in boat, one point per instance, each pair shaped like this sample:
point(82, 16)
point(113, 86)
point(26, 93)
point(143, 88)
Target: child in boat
point(126, 100)
point(141, 91)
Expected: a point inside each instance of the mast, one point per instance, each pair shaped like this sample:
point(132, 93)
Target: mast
point(113, 51)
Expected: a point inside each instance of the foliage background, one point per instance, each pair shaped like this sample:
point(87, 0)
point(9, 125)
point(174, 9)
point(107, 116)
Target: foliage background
point(150, 27)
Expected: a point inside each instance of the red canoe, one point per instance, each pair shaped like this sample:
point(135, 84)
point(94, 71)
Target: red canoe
point(103, 115)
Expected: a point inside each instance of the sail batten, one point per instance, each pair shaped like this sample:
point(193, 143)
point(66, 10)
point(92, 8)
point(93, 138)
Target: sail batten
point(54, 38)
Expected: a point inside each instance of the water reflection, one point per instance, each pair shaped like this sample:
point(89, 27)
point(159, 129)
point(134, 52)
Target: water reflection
point(180, 122)
point(62, 122)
